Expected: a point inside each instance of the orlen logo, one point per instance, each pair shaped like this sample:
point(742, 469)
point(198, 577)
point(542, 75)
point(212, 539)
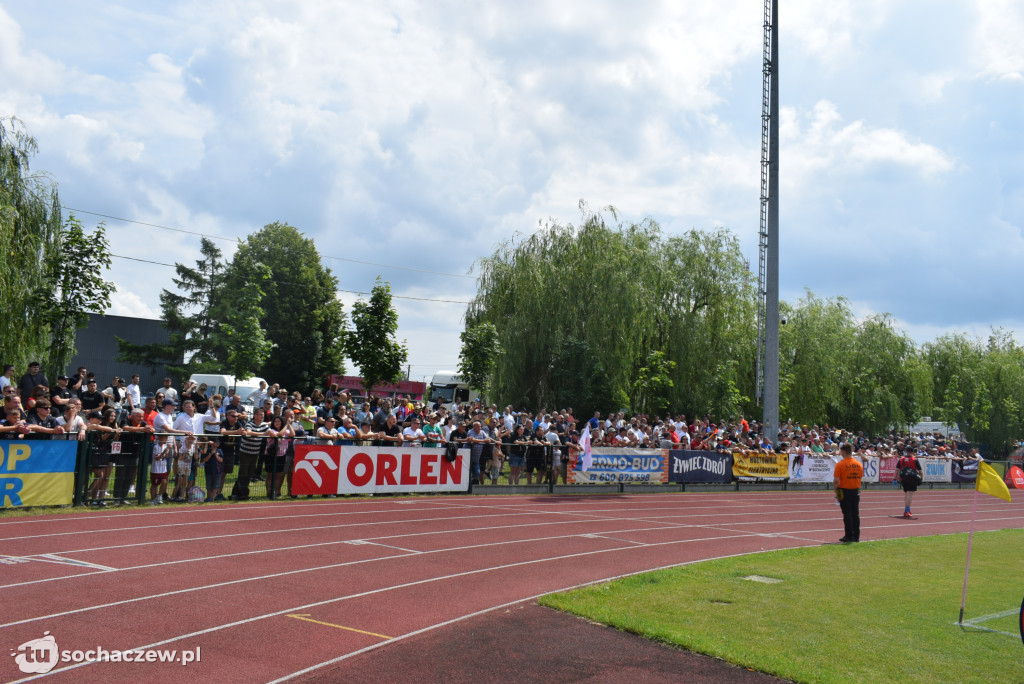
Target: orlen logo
point(316, 472)
point(38, 656)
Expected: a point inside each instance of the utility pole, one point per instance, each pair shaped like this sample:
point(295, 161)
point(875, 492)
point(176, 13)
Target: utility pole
point(768, 244)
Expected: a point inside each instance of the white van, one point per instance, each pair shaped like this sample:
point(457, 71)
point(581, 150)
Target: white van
point(448, 387)
point(220, 384)
point(927, 425)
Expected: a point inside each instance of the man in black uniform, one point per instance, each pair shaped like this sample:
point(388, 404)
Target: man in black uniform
point(92, 400)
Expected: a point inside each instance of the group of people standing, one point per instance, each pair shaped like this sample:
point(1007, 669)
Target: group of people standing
point(847, 477)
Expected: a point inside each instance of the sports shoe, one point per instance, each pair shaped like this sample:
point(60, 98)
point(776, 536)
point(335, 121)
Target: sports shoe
point(844, 540)
point(906, 514)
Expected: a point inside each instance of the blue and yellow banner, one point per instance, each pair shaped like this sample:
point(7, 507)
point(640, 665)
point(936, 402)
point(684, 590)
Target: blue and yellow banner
point(37, 473)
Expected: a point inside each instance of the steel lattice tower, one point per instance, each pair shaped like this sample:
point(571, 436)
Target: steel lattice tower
point(768, 244)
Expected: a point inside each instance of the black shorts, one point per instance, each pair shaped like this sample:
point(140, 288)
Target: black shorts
point(907, 487)
point(535, 463)
point(278, 465)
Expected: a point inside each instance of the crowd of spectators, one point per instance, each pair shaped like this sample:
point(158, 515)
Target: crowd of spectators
point(253, 437)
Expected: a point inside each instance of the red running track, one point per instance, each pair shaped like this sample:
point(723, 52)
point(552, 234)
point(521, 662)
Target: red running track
point(278, 591)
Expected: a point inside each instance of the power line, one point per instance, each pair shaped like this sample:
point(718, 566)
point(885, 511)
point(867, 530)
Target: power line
point(236, 241)
point(356, 292)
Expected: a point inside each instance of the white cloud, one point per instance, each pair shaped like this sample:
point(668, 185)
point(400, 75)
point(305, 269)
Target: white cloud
point(423, 133)
point(820, 141)
point(998, 49)
point(831, 30)
point(124, 302)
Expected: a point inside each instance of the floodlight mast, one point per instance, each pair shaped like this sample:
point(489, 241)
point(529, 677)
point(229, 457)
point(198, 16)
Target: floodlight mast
point(768, 243)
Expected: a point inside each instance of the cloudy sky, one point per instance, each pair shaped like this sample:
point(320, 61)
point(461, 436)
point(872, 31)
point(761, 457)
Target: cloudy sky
point(418, 135)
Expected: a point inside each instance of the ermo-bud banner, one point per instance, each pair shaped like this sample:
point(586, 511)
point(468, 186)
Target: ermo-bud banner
point(367, 470)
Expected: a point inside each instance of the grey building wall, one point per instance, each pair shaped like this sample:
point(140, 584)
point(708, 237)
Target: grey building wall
point(97, 349)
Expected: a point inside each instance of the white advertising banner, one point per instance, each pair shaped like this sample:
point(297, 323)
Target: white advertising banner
point(811, 468)
point(936, 469)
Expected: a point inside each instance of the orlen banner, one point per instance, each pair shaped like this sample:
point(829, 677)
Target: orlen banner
point(367, 470)
point(615, 465)
point(37, 473)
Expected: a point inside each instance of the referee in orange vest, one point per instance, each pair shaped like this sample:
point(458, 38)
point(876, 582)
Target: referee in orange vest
point(846, 479)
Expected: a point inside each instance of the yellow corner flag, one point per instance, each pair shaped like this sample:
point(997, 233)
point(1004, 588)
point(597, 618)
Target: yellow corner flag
point(990, 483)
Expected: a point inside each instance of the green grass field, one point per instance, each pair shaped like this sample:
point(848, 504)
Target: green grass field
point(881, 611)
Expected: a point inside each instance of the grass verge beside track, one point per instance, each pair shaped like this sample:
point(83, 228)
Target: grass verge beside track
point(880, 611)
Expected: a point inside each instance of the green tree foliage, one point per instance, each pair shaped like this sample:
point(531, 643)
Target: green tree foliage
point(480, 350)
point(192, 317)
point(371, 343)
point(592, 316)
point(813, 346)
point(301, 316)
point(243, 337)
point(654, 384)
point(979, 386)
point(838, 371)
point(30, 237)
point(617, 294)
point(878, 388)
point(74, 287)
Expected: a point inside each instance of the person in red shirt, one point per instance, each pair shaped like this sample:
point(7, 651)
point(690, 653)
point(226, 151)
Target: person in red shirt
point(847, 476)
point(907, 463)
point(150, 411)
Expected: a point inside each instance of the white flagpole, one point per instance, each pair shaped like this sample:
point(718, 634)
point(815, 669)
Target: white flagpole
point(967, 570)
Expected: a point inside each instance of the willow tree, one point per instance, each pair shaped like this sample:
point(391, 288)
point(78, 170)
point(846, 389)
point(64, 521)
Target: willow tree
point(579, 310)
point(813, 348)
point(878, 387)
point(30, 230)
point(979, 386)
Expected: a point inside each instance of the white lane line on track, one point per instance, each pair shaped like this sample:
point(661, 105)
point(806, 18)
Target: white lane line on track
point(686, 515)
point(265, 532)
point(587, 518)
point(76, 533)
point(331, 566)
point(54, 558)
point(531, 525)
point(389, 546)
point(509, 604)
point(404, 585)
point(595, 515)
point(515, 503)
point(214, 509)
point(611, 538)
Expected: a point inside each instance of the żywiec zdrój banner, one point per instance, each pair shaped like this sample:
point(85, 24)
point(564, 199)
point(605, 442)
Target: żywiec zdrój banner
point(699, 466)
point(758, 466)
point(37, 473)
point(811, 468)
point(367, 470)
point(614, 466)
